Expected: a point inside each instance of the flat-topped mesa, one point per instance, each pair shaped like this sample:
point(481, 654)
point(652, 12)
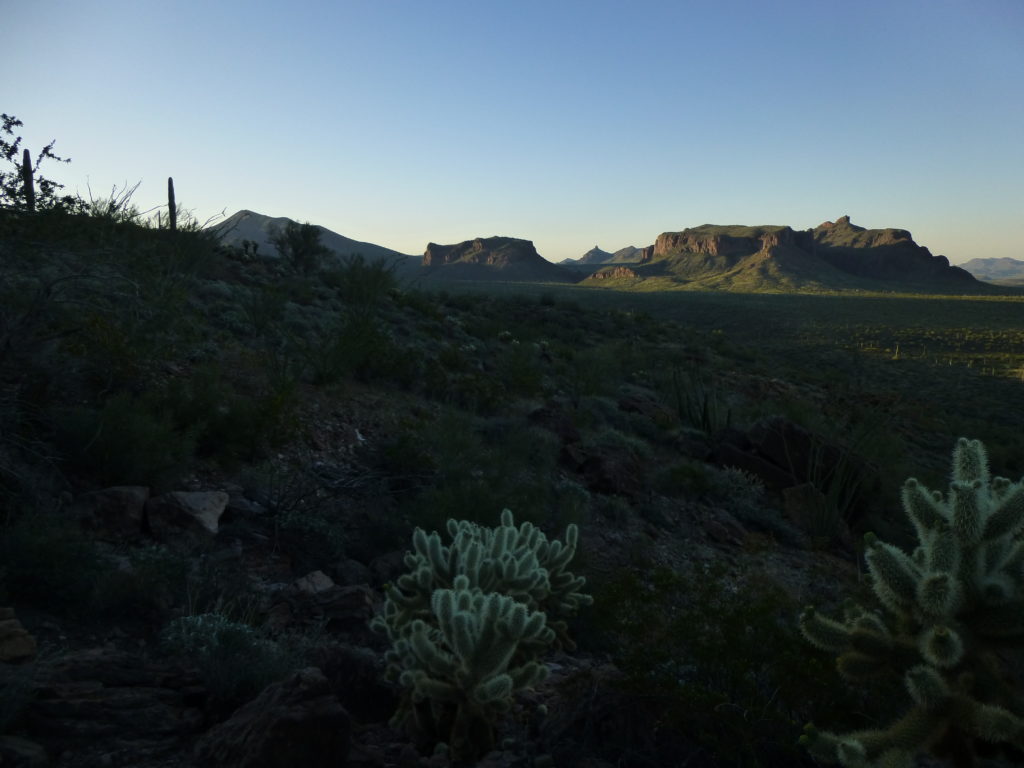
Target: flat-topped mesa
point(490, 251)
point(715, 240)
point(835, 255)
point(508, 259)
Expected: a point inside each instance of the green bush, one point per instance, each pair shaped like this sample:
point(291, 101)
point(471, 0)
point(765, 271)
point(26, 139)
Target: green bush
point(46, 560)
point(714, 659)
point(126, 441)
point(228, 424)
point(150, 579)
point(362, 284)
point(235, 660)
point(299, 247)
point(17, 684)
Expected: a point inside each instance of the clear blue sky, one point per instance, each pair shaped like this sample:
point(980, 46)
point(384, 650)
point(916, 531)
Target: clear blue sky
point(568, 123)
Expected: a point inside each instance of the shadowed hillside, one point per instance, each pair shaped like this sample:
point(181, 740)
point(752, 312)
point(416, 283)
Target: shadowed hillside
point(833, 256)
point(257, 229)
point(491, 258)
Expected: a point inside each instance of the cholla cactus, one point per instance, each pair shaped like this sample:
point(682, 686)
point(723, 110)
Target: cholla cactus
point(948, 610)
point(462, 669)
point(519, 562)
point(469, 621)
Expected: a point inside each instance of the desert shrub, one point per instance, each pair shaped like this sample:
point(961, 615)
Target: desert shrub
point(715, 660)
point(12, 193)
point(303, 510)
point(46, 560)
point(592, 371)
point(235, 660)
point(683, 477)
point(263, 307)
point(228, 424)
point(148, 579)
point(299, 247)
point(626, 451)
point(17, 686)
point(742, 494)
point(361, 283)
point(475, 463)
point(518, 368)
point(697, 401)
point(126, 441)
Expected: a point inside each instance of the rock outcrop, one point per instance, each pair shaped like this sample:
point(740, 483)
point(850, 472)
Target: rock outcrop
point(16, 644)
point(614, 272)
point(882, 254)
point(491, 258)
point(298, 721)
point(492, 251)
point(835, 254)
point(183, 512)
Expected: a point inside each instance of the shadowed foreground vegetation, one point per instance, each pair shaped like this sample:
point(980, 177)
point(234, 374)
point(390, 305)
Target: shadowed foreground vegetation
point(340, 410)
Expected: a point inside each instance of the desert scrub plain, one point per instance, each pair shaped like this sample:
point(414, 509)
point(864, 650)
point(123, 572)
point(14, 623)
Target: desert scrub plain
point(212, 465)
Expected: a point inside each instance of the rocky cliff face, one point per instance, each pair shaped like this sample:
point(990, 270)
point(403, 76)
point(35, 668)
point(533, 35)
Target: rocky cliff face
point(614, 272)
point(714, 240)
point(490, 258)
point(882, 254)
point(889, 255)
point(491, 251)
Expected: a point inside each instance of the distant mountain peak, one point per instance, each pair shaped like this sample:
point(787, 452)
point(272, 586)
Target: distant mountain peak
point(259, 228)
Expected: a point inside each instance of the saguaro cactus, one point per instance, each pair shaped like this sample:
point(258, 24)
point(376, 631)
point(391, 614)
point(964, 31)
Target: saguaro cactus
point(172, 209)
point(949, 611)
point(26, 177)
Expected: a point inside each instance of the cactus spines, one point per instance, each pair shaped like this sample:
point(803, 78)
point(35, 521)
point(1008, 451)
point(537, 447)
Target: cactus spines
point(27, 182)
point(951, 610)
point(923, 509)
point(468, 622)
point(895, 574)
point(939, 594)
point(970, 462)
point(823, 632)
point(172, 208)
point(927, 687)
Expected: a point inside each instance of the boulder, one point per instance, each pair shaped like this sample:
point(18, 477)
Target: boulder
point(316, 600)
point(22, 753)
point(297, 721)
point(191, 513)
point(111, 707)
point(16, 644)
point(113, 513)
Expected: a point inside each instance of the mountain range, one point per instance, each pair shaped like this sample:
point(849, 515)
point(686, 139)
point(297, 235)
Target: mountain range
point(1005, 271)
point(834, 256)
point(258, 228)
point(595, 256)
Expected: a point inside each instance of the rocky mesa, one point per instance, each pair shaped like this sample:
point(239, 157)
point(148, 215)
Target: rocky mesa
point(835, 255)
point(491, 258)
